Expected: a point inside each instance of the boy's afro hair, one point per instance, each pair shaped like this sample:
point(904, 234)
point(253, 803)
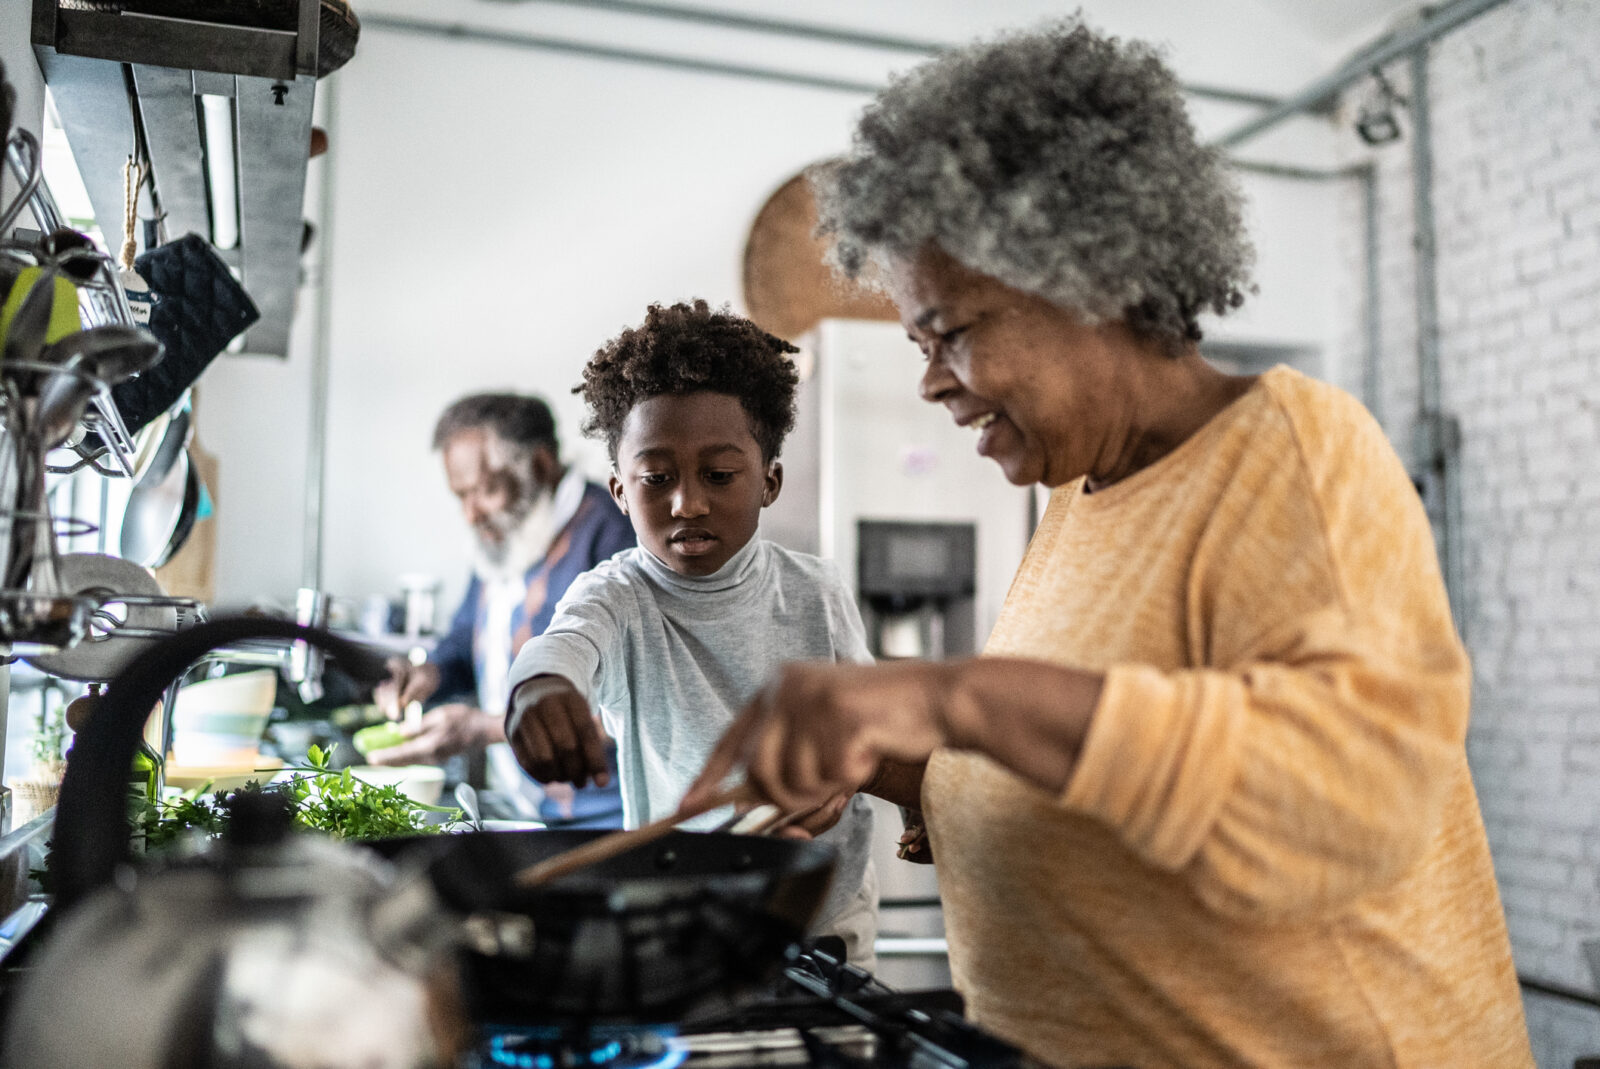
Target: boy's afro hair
point(687, 348)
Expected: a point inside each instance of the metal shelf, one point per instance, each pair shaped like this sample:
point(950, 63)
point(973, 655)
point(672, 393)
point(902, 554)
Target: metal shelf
point(101, 301)
point(125, 80)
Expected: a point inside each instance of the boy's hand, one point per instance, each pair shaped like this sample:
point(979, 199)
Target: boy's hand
point(914, 844)
point(556, 739)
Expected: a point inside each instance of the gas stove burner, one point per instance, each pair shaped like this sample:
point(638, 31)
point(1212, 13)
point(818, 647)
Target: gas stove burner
point(593, 1048)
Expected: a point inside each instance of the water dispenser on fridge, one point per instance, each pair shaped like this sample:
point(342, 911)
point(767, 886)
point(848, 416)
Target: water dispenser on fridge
point(916, 582)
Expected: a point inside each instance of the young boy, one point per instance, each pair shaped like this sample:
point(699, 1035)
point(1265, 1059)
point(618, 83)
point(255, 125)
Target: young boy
point(671, 638)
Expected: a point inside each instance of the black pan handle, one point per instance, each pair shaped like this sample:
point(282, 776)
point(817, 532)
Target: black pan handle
point(91, 831)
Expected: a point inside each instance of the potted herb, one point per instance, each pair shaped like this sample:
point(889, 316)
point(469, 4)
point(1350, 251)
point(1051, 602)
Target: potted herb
point(36, 790)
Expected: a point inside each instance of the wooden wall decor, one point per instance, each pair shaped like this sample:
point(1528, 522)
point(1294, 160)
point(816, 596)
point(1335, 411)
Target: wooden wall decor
point(787, 285)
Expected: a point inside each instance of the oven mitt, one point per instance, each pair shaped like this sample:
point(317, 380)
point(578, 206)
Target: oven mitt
point(196, 308)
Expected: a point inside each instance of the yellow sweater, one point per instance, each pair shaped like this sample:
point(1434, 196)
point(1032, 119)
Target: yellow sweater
point(1270, 852)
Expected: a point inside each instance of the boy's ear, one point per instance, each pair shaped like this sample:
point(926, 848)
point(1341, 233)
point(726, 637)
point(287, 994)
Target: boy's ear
point(616, 492)
point(774, 483)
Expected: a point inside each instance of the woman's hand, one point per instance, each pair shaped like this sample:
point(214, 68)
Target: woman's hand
point(822, 729)
point(556, 737)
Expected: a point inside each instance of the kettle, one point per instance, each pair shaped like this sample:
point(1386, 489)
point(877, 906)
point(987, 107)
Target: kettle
point(268, 950)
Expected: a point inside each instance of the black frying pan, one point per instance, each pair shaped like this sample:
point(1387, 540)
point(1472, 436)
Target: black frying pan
point(681, 923)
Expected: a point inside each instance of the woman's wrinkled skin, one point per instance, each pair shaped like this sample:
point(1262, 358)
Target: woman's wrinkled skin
point(1051, 398)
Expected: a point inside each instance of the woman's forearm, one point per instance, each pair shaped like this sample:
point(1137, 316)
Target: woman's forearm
point(821, 728)
point(1029, 716)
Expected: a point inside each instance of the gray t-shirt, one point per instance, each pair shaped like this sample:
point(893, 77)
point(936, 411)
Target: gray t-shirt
point(670, 659)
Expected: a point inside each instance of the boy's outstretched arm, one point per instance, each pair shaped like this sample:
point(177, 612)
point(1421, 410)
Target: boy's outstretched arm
point(554, 735)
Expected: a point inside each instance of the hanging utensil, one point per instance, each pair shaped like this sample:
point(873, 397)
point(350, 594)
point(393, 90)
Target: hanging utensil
point(109, 353)
point(40, 308)
point(86, 361)
point(28, 165)
point(70, 252)
point(188, 513)
point(467, 799)
point(155, 505)
point(30, 564)
point(34, 608)
point(153, 513)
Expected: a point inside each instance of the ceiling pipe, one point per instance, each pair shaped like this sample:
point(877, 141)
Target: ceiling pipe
point(1436, 435)
point(1319, 93)
point(462, 32)
point(727, 21)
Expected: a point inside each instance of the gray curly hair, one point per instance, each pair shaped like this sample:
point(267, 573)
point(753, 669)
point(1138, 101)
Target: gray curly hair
point(1058, 161)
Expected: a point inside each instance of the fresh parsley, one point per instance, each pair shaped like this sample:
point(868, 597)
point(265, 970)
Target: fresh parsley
point(323, 799)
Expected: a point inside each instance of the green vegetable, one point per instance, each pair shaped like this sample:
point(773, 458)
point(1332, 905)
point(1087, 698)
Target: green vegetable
point(350, 717)
point(323, 799)
point(378, 737)
point(50, 729)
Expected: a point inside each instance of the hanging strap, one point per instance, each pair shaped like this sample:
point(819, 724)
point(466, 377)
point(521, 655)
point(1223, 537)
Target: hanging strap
point(133, 176)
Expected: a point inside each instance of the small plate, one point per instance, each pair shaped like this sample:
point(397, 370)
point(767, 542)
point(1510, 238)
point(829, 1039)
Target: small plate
point(501, 825)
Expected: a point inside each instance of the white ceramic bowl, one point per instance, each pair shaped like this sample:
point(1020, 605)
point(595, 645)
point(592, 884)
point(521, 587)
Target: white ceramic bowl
point(420, 783)
point(220, 721)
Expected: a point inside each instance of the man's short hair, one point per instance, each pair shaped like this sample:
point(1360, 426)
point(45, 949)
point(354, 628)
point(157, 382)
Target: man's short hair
point(517, 419)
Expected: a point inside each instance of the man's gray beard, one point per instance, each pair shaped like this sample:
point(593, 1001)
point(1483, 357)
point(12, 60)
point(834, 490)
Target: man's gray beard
point(525, 543)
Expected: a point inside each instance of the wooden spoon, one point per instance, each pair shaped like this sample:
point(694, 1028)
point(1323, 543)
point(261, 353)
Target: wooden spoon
point(620, 842)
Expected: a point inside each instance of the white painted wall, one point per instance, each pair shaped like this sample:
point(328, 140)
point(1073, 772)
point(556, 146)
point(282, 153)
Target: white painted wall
point(499, 213)
point(503, 257)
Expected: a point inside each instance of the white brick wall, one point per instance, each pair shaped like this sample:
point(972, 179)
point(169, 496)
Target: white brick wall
point(1516, 138)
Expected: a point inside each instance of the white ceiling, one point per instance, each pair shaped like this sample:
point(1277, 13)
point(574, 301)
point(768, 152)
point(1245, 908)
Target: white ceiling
point(1344, 24)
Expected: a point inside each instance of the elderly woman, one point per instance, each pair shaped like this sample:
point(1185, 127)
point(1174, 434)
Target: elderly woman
point(1204, 800)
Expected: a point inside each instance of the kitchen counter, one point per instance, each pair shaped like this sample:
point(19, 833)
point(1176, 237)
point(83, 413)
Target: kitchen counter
point(21, 851)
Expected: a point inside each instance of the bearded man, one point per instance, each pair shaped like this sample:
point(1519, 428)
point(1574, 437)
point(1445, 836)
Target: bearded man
point(536, 527)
